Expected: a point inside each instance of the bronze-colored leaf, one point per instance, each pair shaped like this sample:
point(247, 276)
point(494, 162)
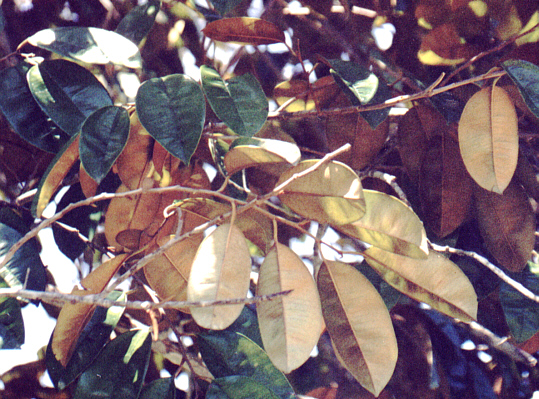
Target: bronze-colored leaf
point(244, 30)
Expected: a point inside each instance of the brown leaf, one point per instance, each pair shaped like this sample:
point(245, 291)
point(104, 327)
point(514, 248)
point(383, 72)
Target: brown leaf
point(244, 30)
point(443, 46)
point(87, 184)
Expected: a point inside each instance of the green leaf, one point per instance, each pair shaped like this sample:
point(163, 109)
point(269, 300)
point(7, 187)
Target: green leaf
point(119, 371)
point(24, 114)
point(224, 6)
point(172, 109)
point(93, 338)
point(163, 388)
point(90, 45)
point(238, 387)
point(239, 102)
point(526, 77)
point(228, 354)
point(67, 93)
point(102, 139)
point(138, 22)
point(522, 314)
point(11, 322)
point(247, 324)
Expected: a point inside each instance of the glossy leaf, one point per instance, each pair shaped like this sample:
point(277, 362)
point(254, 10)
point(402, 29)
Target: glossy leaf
point(138, 22)
point(172, 110)
point(389, 224)
point(119, 371)
point(359, 325)
point(224, 6)
point(435, 281)
point(11, 322)
point(24, 114)
point(507, 224)
point(102, 139)
point(89, 45)
point(67, 93)
point(221, 270)
point(229, 353)
point(488, 138)
point(290, 326)
point(238, 387)
point(526, 78)
point(244, 30)
point(162, 388)
point(239, 101)
point(330, 194)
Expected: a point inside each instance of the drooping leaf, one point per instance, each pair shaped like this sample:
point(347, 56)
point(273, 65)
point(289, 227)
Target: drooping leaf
point(221, 270)
point(488, 138)
point(138, 22)
point(102, 139)
point(67, 93)
point(24, 114)
point(389, 224)
point(172, 110)
point(238, 387)
point(526, 78)
point(244, 30)
point(94, 336)
point(11, 322)
point(290, 326)
point(239, 102)
point(162, 388)
point(119, 371)
point(224, 6)
point(359, 325)
point(330, 194)
point(507, 224)
point(229, 353)
point(89, 45)
point(435, 281)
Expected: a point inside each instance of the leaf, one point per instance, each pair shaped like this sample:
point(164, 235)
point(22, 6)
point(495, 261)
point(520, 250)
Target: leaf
point(103, 137)
point(162, 388)
point(295, 88)
point(24, 114)
point(224, 6)
point(89, 45)
point(248, 152)
point(244, 30)
point(389, 224)
point(221, 270)
point(172, 109)
point(228, 353)
point(119, 371)
point(55, 174)
point(507, 224)
point(138, 22)
point(330, 194)
point(526, 78)
point(247, 324)
point(239, 102)
point(488, 138)
point(11, 322)
point(94, 336)
point(435, 281)
point(67, 93)
point(521, 313)
point(359, 325)
point(238, 387)
point(290, 326)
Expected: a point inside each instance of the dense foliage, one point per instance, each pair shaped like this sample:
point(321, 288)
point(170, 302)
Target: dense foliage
point(244, 183)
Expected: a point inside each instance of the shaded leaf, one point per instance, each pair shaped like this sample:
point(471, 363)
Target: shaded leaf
point(221, 270)
point(172, 110)
point(11, 322)
point(224, 6)
point(507, 224)
point(138, 22)
point(102, 139)
point(435, 281)
point(67, 93)
point(290, 326)
point(488, 138)
point(359, 325)
point(526, 78)
point(295, 88)
point(238, 387)
point(330, 194)
point(247, 324)
point(162, 388)
point(90, 45)
point(389, 224)
point(244, 30)
point(239, 101)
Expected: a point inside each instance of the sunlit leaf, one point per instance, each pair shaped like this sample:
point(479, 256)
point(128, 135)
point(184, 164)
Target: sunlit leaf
point(531, 26)
point(239, 102)
point(488, 138)
point(389, 224)
point(172, 110)
point(298, 89)
point(11, 322)
point(238, 387)
point(162, 388)
point(359, 325)
point(220, 270)
point(507, 224)
point(102, 139)
point(244, 30)
point(90, 45)
point(526, 78)
point(330, 194)
point(138, 22)
point(291, 325)
point(443, 46)
point(436, 281)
